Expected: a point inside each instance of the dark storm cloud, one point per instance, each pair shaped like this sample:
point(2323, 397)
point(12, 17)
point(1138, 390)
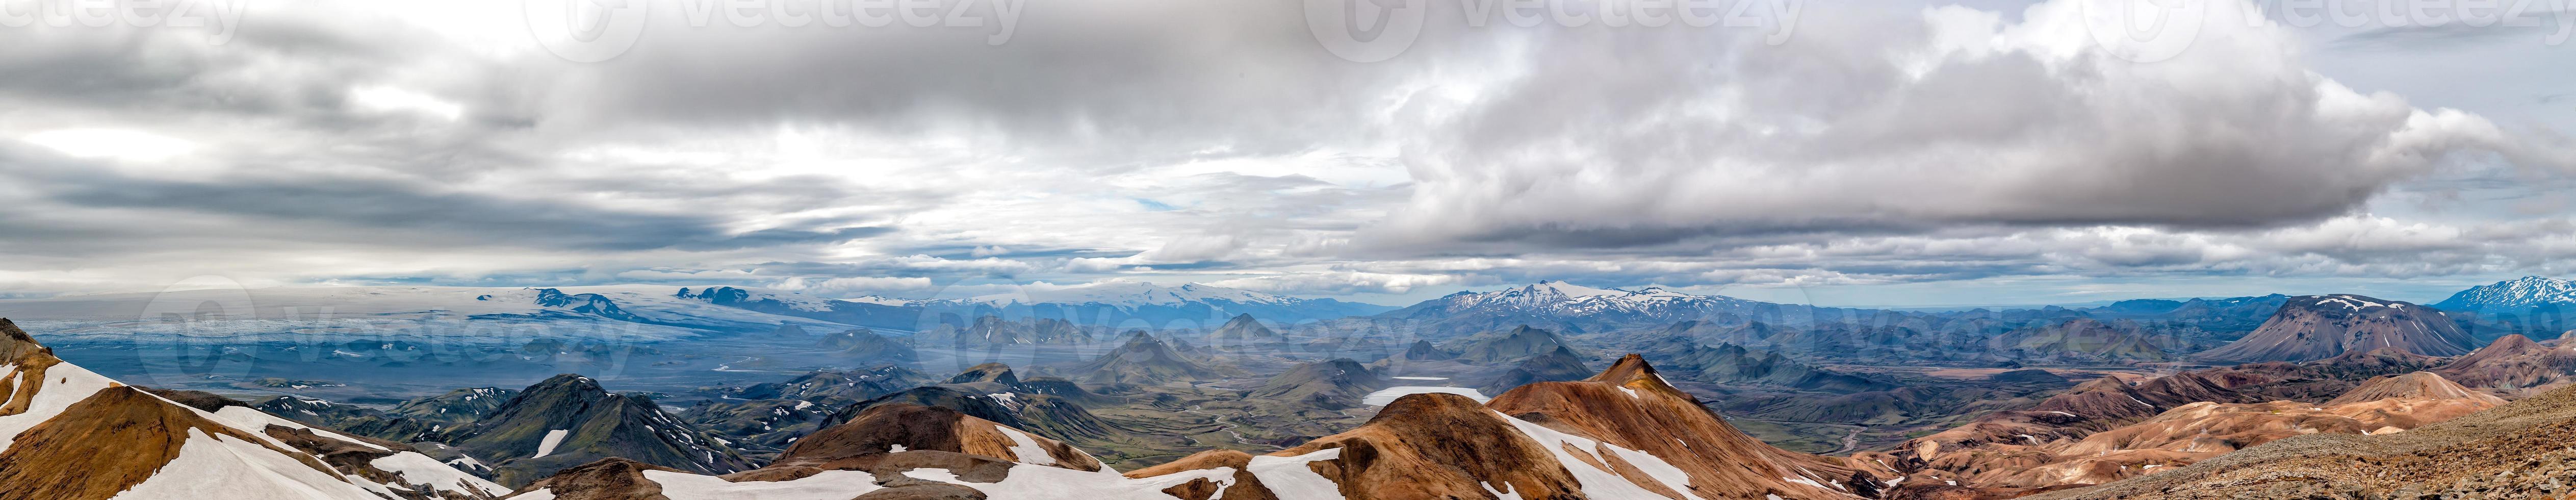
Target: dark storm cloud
point(328, 208)
point(346, 204)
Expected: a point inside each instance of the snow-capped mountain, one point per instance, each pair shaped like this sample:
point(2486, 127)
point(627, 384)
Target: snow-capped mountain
point(1116, 302)
point(1568, 299)
point(2512, 295)
point(625, 312)
point(1567, 307)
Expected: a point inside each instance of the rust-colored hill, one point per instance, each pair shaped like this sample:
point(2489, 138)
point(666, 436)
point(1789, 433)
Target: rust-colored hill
point(1631, 406)
point(2515, 363)
point(2186, 434)
point(1623, 433)
point(2518, 450)
point(70, 434)
point(2417, 385)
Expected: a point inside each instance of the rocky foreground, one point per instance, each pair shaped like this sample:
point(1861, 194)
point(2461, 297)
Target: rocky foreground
point(2522, 450)
point(1622, 434)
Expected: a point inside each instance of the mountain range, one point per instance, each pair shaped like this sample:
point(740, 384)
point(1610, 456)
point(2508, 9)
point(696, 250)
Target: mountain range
point(1562, 306)
point(2512, 295)
point(1122, 302)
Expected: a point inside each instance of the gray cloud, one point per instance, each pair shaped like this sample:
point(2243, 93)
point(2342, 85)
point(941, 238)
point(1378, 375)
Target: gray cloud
point(1890, 123)
point(1177, 140)
point(2450, 35)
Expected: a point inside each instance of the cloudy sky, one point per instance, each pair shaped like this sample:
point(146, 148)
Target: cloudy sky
point(1890, 153)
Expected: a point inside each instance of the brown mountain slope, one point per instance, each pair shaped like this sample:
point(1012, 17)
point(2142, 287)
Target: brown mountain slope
point(2200, 431)
point(2317, 327)
point(2515, 362)
point(1624, 433)
point(1631, 406)
point(2418, 385)
point(69, 433)
point(879, 430)
point(62, 458)
point(2023, 448)
point(2518, 450)
point(1990, 441)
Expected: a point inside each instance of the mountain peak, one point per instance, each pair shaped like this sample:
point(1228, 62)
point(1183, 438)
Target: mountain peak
point(988, 372)
point(16, 343)
point(1143, 359)
point(2512, 342)
point(1629, 368)
point(567, 382)
point(1242, 332)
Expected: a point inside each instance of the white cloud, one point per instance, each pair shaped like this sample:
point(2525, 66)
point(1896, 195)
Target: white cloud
point(394, 99)
point(1884, 123)
point(852, 287)
point(114, 143)
point(1340, 283)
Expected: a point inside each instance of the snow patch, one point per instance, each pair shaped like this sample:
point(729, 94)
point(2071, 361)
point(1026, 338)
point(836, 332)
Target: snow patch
point(553, 437)
point(826, 485)
point(1290, 479)
point(934, 474)
point(1027, 448)
point(1597, 483)
point(416, 468)
point(70, 384)
point(244, 471)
